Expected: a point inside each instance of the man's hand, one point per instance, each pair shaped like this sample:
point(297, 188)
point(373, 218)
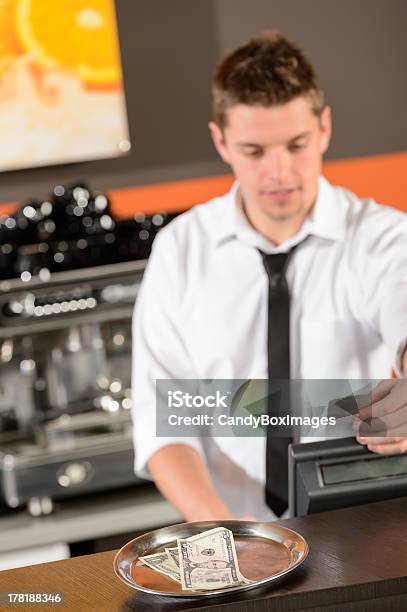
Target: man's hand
point(386, 417)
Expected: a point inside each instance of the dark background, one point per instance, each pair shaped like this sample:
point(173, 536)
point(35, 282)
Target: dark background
point(169, 49)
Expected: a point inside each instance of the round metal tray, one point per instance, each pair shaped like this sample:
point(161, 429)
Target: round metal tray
point(266, 553)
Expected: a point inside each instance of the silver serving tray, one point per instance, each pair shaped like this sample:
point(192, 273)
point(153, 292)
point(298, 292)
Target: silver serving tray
point(267, 552)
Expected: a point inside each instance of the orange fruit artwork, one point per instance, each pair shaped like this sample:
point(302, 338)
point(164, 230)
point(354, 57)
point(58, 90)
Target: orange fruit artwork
point(78, 36)
point(9, 44)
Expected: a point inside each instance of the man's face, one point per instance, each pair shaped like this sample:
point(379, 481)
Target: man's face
point(276, 154)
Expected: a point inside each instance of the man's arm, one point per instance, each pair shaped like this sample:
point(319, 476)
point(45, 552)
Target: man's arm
point(383, 279)
point(182, 477)
point(160, 352)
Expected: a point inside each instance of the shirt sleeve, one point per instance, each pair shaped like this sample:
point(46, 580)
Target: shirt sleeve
point(385, 282)
point(159, 349)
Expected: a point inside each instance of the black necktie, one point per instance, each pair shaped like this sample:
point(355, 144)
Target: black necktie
point(278, 336)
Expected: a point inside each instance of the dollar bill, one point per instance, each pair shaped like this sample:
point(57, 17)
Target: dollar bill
point(173, 555)
point(164, 564)
point(208, 561)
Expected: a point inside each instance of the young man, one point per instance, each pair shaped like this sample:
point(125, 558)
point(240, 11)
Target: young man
point(204, 308)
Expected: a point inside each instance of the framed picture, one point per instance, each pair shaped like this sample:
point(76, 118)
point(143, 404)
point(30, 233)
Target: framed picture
point(61, 86)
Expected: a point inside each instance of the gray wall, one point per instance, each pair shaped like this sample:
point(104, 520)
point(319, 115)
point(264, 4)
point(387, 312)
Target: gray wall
point(359, 49)
point(169, 49)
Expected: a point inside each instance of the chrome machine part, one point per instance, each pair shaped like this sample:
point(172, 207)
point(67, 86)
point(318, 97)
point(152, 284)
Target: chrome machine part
point(65, 384)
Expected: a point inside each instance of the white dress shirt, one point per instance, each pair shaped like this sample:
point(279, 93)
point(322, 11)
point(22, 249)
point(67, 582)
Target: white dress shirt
point(202, 313)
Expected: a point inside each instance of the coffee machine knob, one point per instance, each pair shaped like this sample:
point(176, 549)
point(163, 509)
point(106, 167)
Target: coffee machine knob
point(73, 474)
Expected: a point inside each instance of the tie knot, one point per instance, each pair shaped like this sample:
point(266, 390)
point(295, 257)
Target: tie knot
point(275, 265)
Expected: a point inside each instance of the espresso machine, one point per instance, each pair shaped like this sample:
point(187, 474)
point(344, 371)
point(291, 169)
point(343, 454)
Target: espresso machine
point(68, 283)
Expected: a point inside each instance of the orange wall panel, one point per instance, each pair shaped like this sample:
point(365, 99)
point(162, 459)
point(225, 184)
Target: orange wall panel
point(381, 177)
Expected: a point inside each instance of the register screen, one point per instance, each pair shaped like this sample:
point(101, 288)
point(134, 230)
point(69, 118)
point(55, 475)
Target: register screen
point(364, 469)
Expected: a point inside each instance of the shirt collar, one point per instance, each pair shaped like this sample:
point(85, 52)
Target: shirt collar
point(326, 220)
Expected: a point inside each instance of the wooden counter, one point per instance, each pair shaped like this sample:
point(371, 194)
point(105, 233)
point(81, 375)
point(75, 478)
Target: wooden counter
point(357, 561)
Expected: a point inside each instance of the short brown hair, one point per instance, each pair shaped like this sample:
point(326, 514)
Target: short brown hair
point(268, 70)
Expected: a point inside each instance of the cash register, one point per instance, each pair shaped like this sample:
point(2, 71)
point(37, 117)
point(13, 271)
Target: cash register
point(339, 473)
